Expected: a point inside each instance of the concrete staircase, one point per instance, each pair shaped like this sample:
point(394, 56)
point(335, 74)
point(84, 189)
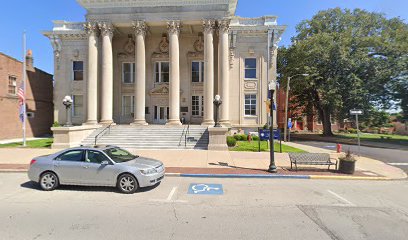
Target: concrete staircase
point(152, 137)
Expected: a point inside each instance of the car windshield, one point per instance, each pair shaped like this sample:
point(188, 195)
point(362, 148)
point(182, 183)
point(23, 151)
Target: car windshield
point(119, 155)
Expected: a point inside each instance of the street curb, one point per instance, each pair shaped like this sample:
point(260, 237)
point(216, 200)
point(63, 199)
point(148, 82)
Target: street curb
point(243, 176)
point(261, 176)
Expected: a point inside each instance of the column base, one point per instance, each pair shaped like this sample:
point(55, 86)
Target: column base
point(90, 122)
point(174, 122)
point(105, 122)
point(208, 123)
point(141, 122)
point(225, 123)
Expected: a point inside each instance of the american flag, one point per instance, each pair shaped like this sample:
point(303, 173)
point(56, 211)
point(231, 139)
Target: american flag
point(21, 101)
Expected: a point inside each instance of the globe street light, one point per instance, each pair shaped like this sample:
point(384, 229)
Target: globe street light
point(217, 102)
point(67, 101)
point(287, 100)
point(272, 166)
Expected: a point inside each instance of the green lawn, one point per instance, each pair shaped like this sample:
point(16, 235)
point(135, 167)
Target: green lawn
point(41, 143)
point(244, 146)
point(390, 138)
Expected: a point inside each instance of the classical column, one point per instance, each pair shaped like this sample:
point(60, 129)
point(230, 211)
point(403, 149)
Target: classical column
point(140, 81)
point(173, 28)
point(223, 53)
point(92, 86)
point(208, 27)
point(107, 73)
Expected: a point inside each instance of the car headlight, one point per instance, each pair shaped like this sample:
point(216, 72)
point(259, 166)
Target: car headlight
point(148, 171)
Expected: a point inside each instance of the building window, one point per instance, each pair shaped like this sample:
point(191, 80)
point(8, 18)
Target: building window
point(77, 105)
point(197, 106)
point(250, 104)
point(12, 85)
point(78, 70)
point(128, 103)
point(128, 72)
point(197, 71)
point(162, 72)
point(250, 68)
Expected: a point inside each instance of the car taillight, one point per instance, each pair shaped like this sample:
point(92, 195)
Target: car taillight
point(33, 161)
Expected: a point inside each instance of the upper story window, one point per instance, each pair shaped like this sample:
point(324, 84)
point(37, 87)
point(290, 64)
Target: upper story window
point(77, 105)
point(78, 70)
point(12, 85)
point(162, 72)
point(128, 72)
point(197, 71)
point(250, 104)
point(250, 68)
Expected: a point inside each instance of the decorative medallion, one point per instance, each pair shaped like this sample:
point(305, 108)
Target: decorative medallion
point(164, 45)
point(199, 44)
point(130, 45)
point(250, 85)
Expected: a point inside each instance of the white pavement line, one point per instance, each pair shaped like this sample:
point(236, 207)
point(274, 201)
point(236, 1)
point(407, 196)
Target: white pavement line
point(171, 193)
point(341, 198)
point(398, 164)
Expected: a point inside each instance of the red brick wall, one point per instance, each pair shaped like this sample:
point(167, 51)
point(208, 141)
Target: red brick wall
point(39, 94)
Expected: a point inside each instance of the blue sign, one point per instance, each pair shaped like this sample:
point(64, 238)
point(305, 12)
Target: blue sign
point(205, 189)
point(264, 134)
point(290, 124)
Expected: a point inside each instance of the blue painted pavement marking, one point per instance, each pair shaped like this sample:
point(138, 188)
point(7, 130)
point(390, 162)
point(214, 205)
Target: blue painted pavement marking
point(205, 189)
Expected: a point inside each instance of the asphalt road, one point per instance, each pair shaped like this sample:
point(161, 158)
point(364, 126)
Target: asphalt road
point(394, 157)
point(248, 209)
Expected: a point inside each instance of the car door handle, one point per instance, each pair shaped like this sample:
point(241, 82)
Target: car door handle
point(85, 167)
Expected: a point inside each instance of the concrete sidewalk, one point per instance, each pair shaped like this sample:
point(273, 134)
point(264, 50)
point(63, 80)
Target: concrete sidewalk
point(225, 163)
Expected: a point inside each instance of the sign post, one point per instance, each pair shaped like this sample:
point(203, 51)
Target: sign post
point(357, 112)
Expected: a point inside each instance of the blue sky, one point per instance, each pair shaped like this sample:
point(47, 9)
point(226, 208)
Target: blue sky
point(34, 16)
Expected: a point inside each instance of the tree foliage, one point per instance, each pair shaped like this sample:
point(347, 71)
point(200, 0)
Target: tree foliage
point(355, 59)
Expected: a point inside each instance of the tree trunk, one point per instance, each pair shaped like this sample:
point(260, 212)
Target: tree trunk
point(327, 131)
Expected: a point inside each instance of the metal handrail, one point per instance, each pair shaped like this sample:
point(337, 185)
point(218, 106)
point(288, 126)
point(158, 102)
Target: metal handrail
point(181, 137)
point(101, 133)
point(185, 136)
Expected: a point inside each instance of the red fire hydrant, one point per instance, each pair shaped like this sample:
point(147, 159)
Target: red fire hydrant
point(338, 147)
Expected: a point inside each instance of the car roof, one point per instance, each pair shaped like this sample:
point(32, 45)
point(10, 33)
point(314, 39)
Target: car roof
point(93, 147)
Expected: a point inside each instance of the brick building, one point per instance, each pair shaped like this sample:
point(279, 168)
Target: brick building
point(39, 98)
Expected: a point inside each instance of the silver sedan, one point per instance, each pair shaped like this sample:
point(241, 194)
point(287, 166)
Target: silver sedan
point(96, 166)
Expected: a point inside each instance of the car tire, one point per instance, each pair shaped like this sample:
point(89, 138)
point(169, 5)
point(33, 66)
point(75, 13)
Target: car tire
point(127, 183)
point(49, 181)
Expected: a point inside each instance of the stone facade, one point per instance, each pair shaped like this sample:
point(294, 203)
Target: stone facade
point(39, 92)
point(170, 60)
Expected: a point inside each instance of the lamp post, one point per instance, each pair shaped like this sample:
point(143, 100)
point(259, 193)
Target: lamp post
point(286, 102)
point(272, 166)
point(217, 102)
point(67, 101)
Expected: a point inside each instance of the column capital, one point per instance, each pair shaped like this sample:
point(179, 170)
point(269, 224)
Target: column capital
point(106, 28)
point(224, 25)
point(91, 28)
point(140, 27)
point(208, 25)
point(173, 27)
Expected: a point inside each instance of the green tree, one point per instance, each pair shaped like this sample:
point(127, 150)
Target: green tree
point(354, 60)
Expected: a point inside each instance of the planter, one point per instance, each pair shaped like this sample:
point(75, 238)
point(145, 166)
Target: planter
point(347, 167)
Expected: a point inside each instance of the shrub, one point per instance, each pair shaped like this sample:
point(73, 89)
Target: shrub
point(56, 124)
point(240, 137)
point(255, 138)
point(352, 130)
point(231, 141)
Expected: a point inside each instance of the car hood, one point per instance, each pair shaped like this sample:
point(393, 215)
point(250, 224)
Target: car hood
point(143, 163)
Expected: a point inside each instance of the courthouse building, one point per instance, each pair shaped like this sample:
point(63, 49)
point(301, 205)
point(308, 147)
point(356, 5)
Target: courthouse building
point(159, 61)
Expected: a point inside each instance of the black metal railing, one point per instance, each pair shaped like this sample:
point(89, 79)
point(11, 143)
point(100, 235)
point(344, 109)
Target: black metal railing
point(102, 133)
point(185, 133)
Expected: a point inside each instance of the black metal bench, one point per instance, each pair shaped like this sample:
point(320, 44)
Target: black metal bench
point(311, 159)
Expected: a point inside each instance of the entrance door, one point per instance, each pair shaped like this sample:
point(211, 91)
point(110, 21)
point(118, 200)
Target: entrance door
point(161, 114)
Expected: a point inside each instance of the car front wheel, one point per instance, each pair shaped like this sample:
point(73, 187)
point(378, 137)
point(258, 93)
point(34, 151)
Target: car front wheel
point(127, 183)
point(49, 181)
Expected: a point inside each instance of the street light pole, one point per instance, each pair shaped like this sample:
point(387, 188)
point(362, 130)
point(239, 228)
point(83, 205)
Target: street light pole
point(68, 103)
point(287, 103)
point(272, 166)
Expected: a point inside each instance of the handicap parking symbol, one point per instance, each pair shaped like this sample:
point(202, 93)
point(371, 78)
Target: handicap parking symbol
point(205, 189)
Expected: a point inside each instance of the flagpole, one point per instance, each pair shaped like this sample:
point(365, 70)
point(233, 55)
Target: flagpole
point(24, 89)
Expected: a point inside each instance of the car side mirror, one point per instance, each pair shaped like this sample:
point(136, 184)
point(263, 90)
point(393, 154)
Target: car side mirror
point(105, 162)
